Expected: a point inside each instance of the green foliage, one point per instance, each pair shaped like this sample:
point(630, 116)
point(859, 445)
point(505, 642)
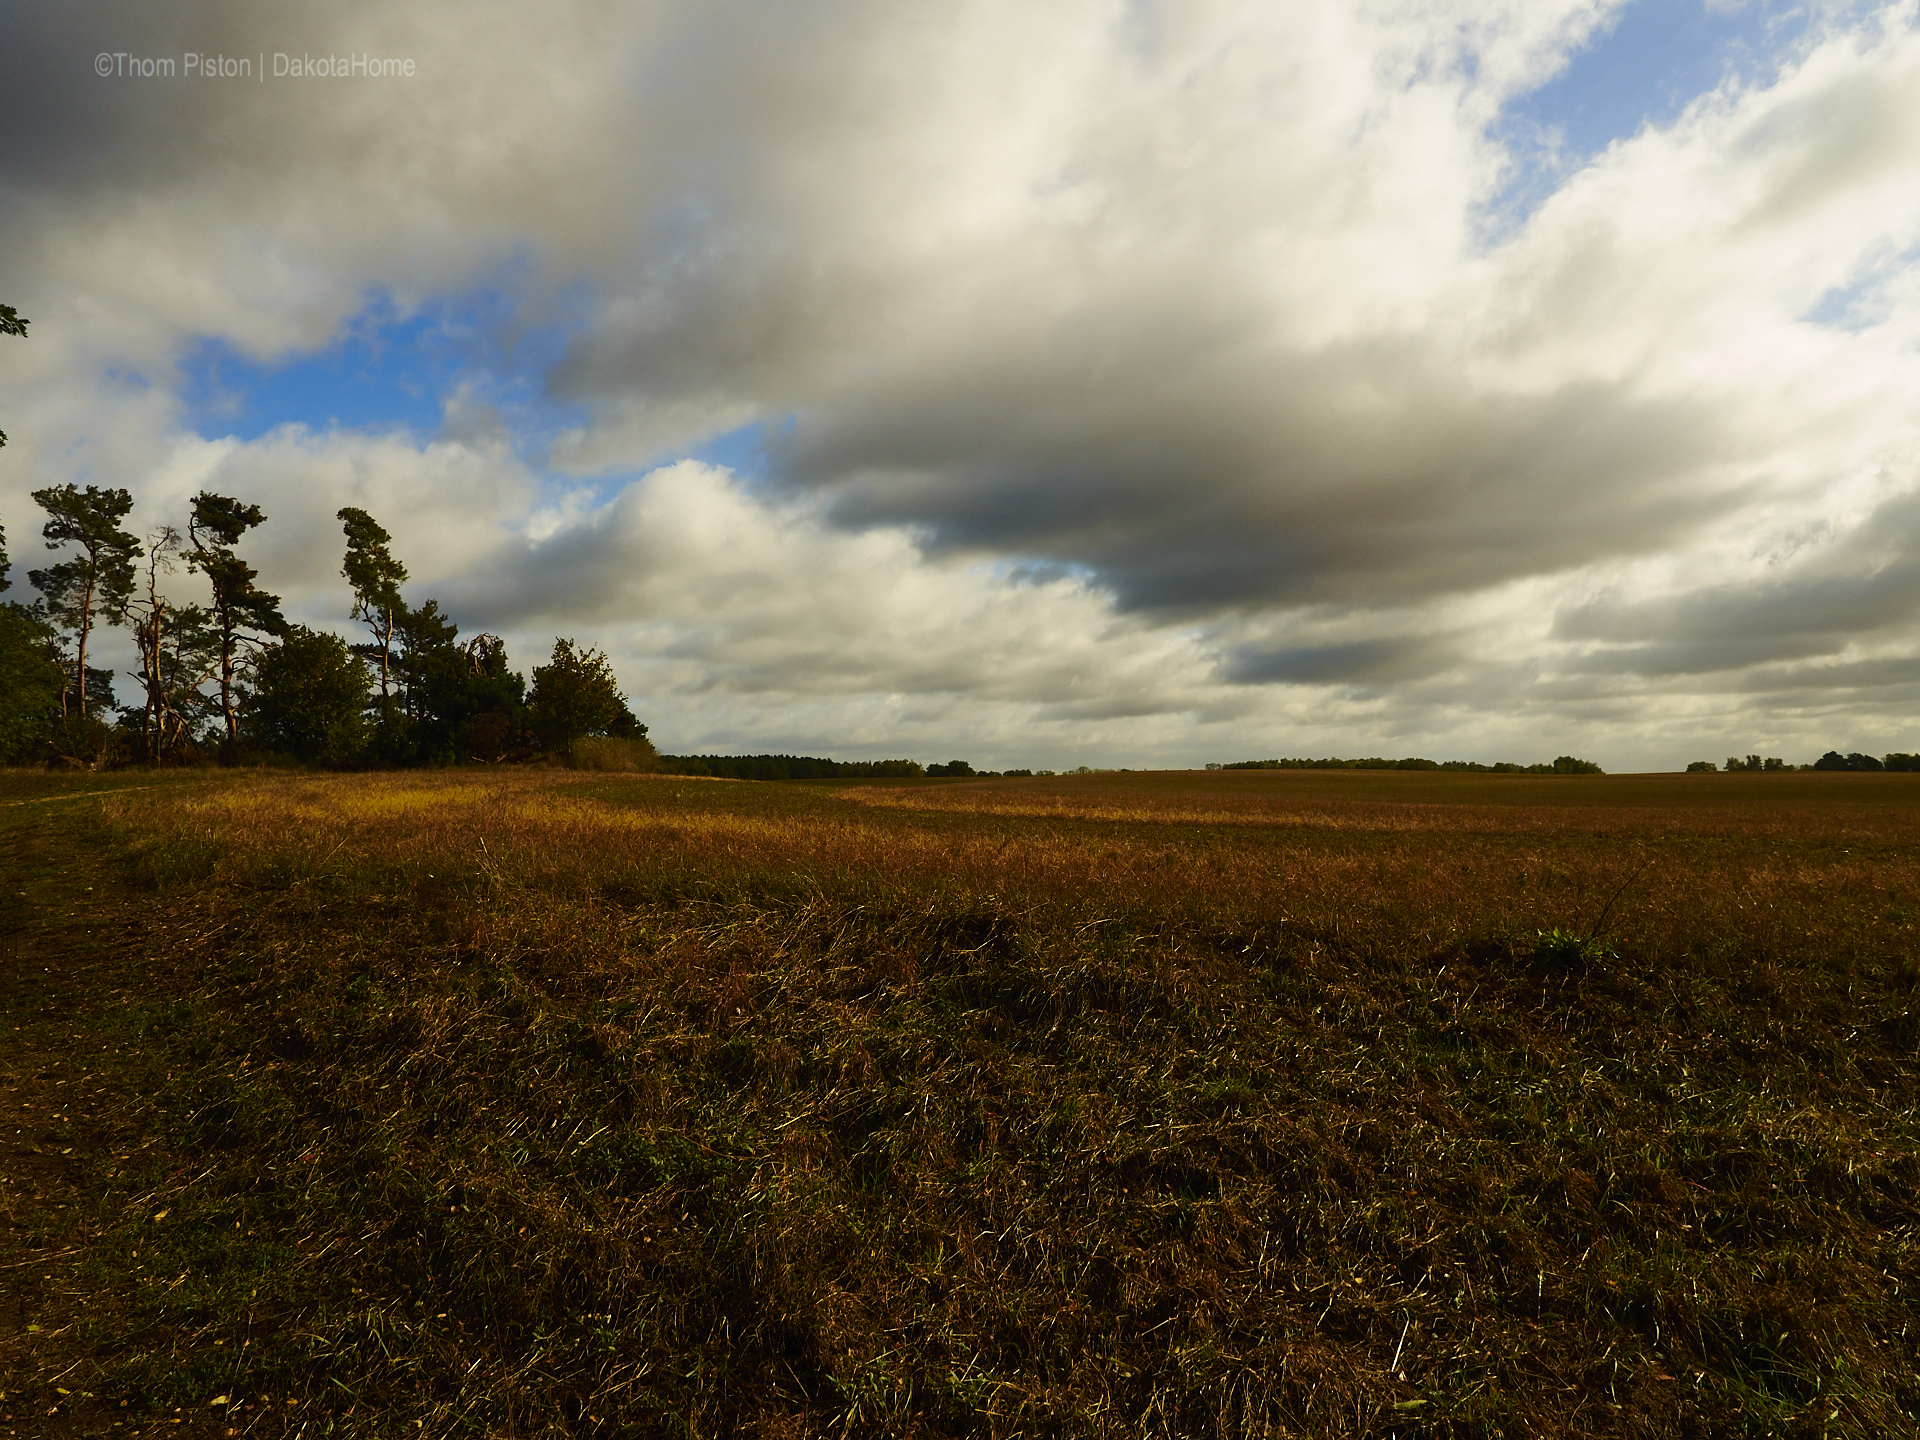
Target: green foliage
point(242, 611)
point(1899, 760)
point(575, 695)
point(307, 697)
point(460, 701)
point(94, 583)
point(376, 578)
point(179, 649)
point(1701, 767)
point(953, 768)
point(30, 680)
point(628, 754)
point(1568, 949)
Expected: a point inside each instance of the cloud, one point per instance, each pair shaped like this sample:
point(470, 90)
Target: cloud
point(1142, 372)
point(1370, 662)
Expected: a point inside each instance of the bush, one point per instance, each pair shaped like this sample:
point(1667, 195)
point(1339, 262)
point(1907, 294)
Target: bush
point(610, 752)
point(1701, 767)
point(575, 696)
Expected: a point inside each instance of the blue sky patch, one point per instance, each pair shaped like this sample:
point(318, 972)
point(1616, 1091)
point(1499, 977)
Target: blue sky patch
point(1656, 58)
point(388, 370)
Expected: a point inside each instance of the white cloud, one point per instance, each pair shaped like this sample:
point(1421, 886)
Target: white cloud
point(1187, 306)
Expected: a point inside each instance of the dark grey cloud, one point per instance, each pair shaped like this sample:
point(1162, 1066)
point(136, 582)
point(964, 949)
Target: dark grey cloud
point(1367, 662)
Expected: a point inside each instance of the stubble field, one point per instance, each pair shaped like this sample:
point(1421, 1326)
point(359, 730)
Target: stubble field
point(1269, 1103)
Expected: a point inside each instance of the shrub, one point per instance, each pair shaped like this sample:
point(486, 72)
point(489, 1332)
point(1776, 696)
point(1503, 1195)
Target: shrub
point(1701, 767)
point(574, 696)
point(611, 752)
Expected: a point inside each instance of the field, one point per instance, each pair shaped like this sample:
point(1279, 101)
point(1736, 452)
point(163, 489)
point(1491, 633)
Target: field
point(1248, 1103)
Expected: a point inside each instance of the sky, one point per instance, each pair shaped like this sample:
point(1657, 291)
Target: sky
point(1107, 382)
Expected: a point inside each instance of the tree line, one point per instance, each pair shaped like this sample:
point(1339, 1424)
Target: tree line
point(1564, 765)
point(1832, 760)
point(228, 676)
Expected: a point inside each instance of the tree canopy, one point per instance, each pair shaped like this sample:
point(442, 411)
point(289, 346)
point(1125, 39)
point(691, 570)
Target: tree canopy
point(93, 583)
point(242, 612)
point(308, 698)
point(376, 578)
point(575, 696)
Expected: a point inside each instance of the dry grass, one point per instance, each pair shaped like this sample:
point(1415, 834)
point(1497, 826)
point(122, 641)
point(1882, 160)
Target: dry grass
point(1272, 1103)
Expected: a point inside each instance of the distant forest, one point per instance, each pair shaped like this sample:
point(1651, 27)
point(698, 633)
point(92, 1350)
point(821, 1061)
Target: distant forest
point(1565, 765)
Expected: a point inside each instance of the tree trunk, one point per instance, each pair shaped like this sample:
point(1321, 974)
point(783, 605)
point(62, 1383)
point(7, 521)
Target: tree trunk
point(386, 650)
point(86, 624)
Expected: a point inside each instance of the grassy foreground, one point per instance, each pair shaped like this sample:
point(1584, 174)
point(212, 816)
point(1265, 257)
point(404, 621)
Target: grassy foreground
point(1271, 1103)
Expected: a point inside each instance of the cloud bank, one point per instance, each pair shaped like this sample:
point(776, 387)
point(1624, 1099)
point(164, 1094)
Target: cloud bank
point(1110, 382)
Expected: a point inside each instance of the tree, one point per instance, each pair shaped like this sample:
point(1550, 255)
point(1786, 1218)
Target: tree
point(11, 323)
point(493, 700)
point(307, 697)
point(94, 583)
point(1834, 760)
point(30, 676)
point(574, 696)
point(180, 651)
point(243, 613)
point(376, 578)
point(447, 689)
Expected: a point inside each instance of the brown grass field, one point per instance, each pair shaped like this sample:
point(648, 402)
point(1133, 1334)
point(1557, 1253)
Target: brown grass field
point(1192, 1104)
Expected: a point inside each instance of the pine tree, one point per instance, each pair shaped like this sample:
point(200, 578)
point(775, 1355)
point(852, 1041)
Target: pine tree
point(243, 613)
point(179, 652)
point(93, 584)
point(376, 578)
